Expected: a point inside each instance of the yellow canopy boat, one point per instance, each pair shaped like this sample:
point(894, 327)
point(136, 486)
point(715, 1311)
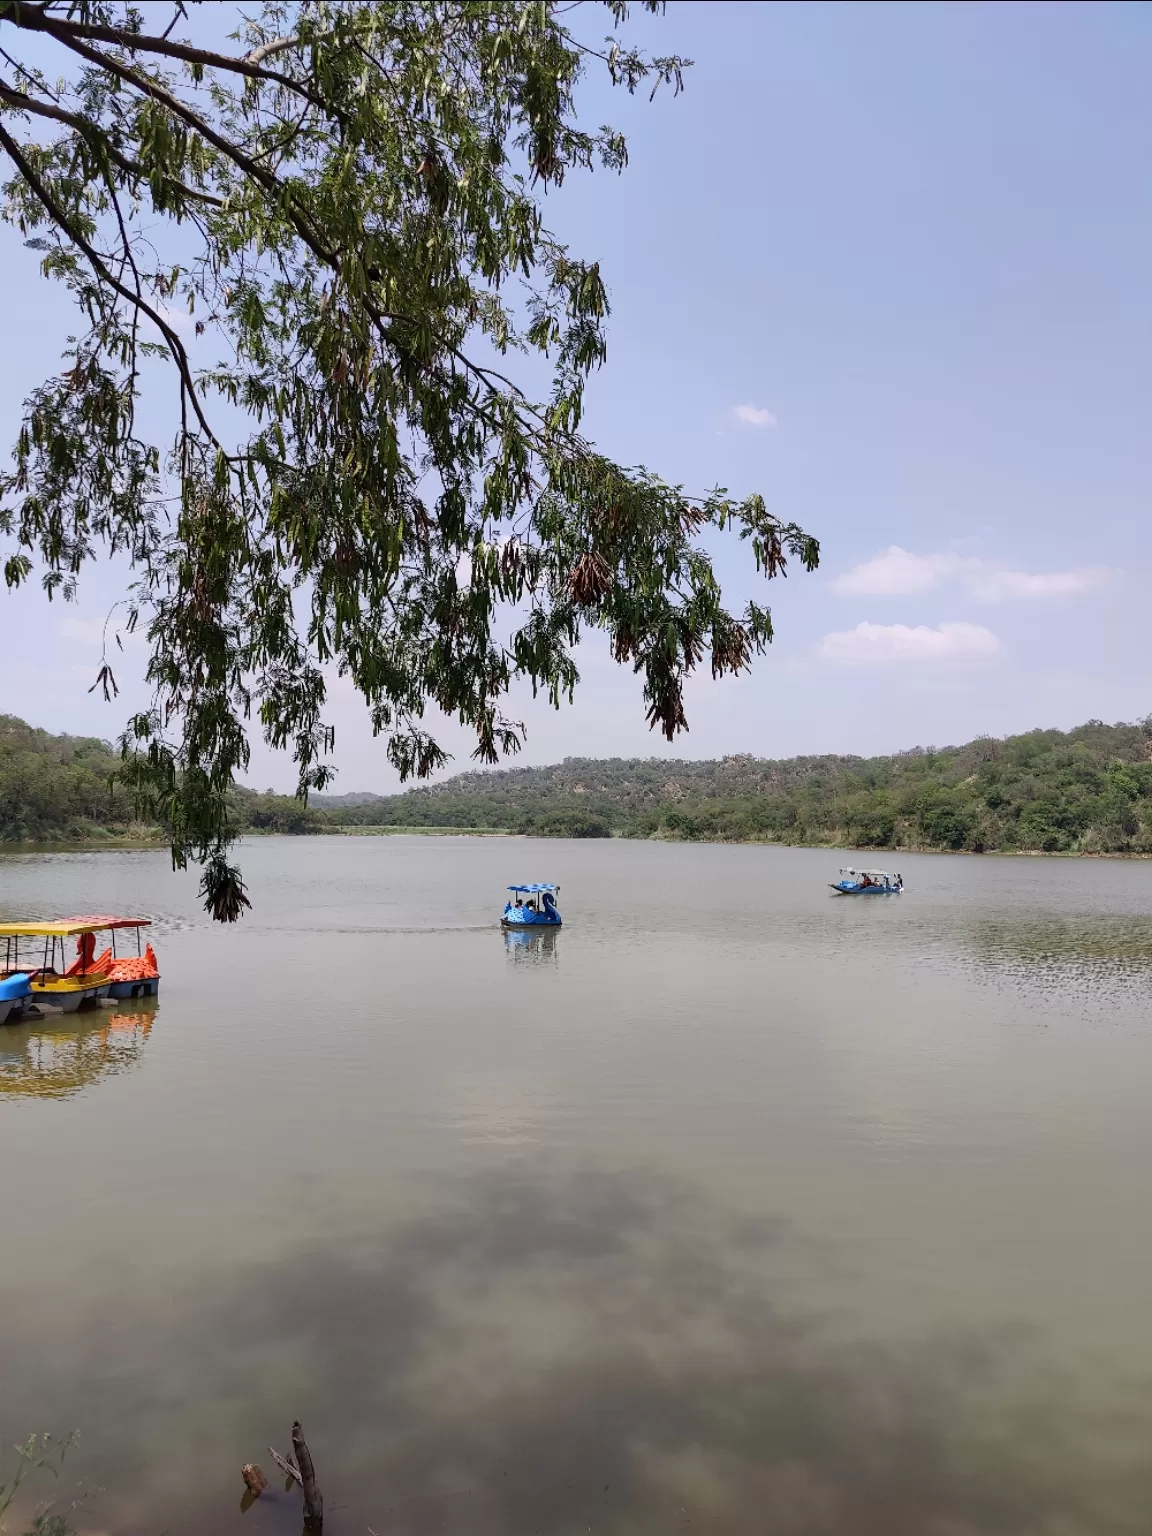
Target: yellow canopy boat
point(31, 949)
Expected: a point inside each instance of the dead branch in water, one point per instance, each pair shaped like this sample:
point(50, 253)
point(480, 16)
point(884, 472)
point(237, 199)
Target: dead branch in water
point(313, 1501)
point(286, 1466)
point(254, 1479)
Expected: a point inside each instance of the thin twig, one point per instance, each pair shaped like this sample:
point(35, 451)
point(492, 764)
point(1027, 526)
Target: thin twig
point(286, 1466)
point(177, 11)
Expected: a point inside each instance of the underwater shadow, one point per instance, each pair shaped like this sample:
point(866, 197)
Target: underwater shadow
point(550, 1354)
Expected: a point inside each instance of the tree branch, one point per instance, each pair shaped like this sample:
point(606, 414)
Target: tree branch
point(35, 18)
point(152, 88)
point(281, 45)
point(131, 259)
point(84, 126)
point(271, 183)
point(61, 220)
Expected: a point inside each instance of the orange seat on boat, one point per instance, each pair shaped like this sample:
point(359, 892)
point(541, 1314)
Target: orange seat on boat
point(86, 962)
point(135, 968)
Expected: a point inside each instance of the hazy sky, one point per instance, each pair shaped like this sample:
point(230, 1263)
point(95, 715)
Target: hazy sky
point(891, 266)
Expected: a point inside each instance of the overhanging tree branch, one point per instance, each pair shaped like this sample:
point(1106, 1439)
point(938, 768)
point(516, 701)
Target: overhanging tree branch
point(67, 227)
point(21, 101)
point(36, 18)
point(387, 495)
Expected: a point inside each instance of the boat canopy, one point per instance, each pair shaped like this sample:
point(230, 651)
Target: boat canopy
point(536, 887)
point(881, 873)
point(69, 927)
point(100, 924)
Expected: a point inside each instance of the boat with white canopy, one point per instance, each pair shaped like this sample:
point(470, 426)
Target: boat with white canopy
point(868, 882)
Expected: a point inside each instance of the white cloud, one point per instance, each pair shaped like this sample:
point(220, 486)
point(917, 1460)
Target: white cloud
point(753, 415)
point(994, 585)
point(897, 573)
point(900, 573)
point(883, 643)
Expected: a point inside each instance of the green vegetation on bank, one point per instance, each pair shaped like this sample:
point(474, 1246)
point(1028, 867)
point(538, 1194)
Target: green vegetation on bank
point(1088, 791)
point(67, 789)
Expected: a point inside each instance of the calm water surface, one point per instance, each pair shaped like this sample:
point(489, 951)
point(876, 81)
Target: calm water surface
point(731, 1207)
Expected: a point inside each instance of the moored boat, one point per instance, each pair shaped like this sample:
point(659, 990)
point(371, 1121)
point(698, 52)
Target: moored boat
point(52, 980)
point(532, 906)
point(868, 882)
point(135, 975)
point(15, 996)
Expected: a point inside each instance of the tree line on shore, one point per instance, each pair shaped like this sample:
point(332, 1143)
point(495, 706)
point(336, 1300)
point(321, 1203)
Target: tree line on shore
point(1088, 790)
point(69, 789)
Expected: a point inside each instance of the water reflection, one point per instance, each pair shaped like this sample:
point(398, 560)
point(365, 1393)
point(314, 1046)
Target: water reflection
point(599, 1352)
point(526, 948)
point(61, 1054)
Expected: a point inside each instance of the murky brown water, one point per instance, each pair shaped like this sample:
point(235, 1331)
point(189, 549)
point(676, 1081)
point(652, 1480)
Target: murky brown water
point(732, 1207)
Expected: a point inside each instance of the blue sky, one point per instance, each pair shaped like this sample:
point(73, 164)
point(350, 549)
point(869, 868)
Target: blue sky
point(889, 265)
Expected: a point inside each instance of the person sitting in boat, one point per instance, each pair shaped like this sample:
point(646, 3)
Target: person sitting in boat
point(865, 881)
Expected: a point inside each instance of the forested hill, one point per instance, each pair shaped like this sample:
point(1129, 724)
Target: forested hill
point(1086, 790)
point(57, 786)
point(65, 788)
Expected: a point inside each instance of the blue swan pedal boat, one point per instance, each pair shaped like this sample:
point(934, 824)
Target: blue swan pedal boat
point(868, 882)
point(15, 997)
point(532, 906)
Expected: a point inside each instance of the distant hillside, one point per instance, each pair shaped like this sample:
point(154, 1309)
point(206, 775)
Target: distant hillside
point(65, 789)
point(57, 786)
point(339, 802)
point(1086, 790)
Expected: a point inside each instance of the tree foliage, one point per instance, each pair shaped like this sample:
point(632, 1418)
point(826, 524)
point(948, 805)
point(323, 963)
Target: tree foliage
point(346, 202)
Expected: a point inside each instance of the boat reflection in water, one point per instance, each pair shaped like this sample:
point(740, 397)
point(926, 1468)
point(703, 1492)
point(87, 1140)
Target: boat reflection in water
point(58, 1055)
point(531, 946)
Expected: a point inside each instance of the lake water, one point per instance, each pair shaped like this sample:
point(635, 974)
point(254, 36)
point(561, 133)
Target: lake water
point(732, 1207)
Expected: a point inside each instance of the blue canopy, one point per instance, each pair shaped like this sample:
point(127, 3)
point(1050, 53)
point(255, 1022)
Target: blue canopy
point(546, 886)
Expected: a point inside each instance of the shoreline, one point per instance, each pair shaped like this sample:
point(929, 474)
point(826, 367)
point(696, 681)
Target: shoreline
point(17, 849)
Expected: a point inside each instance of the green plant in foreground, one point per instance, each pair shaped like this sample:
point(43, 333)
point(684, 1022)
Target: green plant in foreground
point(39, 1453)
point(347, 204)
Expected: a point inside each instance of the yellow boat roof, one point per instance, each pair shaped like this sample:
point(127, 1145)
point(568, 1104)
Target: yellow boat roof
point(69, 927)
point(66, 930)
